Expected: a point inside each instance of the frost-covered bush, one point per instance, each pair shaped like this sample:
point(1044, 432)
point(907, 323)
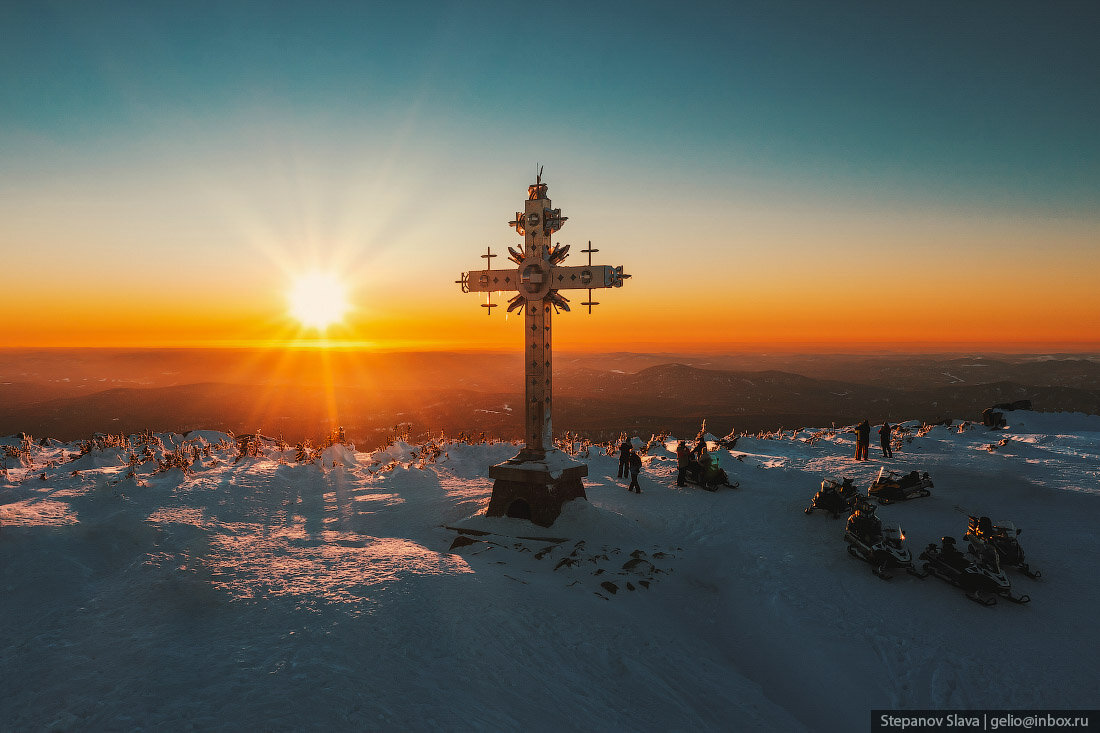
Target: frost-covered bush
point(180, 458)
point(305, 452)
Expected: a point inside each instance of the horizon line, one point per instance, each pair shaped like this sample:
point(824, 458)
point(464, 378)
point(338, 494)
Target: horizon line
point(734, 347)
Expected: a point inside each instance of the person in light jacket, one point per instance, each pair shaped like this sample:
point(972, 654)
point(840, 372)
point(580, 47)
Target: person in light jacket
point(863, 439)
point(683, 460)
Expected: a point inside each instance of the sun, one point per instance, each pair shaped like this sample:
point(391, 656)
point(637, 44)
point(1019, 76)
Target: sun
point(318, 300)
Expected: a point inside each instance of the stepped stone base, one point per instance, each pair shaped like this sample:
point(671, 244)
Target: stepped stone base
point(531, 490)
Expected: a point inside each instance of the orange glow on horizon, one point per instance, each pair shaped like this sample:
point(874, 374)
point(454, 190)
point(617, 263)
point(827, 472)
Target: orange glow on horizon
point(619, 332)
point(876, 319)
point(1041, 303)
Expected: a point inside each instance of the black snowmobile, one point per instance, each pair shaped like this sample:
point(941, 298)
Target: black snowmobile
point(883, 547)
point(1002, 538)
point(980, 577)
point(709, 474)
point(899, 488)
point(834, 497)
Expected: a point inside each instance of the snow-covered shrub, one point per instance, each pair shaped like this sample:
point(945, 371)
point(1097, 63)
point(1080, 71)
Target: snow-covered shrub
point(249, 446)
point(305, 452)
point(180, 458)
point(336, 436)
point(102, 441)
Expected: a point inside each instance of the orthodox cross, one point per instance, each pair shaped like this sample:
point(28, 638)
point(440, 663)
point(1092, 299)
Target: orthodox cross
point(538, 279)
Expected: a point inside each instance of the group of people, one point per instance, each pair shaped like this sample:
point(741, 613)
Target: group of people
point(693, 460)
point(630, 463)
point(690, 462)
point(863, 439)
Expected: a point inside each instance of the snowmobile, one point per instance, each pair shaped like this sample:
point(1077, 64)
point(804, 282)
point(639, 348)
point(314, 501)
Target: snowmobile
point(1002, 538)
point(899, 488)
point(709, 475)
point(883, 547)
point(980, 577)
point(834, 497)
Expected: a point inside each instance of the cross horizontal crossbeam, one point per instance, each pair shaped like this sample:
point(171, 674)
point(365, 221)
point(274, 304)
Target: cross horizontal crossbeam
point(561, 278)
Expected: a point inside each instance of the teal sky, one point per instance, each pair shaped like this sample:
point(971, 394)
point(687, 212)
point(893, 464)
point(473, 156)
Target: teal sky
point(204, 115)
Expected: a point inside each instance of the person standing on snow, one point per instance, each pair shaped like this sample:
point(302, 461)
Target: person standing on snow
point(700, 446)
point(635, 463)
point(884, 439)
point(683, 460)
point(624, 457)
point(863, 439)
point(704, 455)
point(864, 524)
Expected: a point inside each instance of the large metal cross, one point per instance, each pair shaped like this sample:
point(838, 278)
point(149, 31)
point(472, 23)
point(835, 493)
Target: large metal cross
point(538, 278)
point(536, 482)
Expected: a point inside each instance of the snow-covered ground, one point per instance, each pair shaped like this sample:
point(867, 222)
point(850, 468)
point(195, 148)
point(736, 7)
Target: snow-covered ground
point(265, 594)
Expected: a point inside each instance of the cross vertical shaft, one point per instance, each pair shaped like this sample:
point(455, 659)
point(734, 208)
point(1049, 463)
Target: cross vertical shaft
point(538, 373)
point(538, 366)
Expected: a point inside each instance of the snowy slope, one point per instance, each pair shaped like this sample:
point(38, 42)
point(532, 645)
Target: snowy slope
point(264, 593)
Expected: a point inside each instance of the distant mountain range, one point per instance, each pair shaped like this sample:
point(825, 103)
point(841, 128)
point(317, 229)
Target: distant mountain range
point(375, 395)
point(679, 396)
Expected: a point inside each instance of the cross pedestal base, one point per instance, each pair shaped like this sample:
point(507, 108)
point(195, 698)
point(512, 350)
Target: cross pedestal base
point(536, 489)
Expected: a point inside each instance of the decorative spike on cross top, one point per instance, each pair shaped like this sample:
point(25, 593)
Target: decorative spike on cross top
point(537, 279)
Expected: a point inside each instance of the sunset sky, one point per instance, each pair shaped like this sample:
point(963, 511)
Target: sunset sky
point(773, 174)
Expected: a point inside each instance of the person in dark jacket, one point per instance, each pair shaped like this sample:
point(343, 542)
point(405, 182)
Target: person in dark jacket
point(884, 439)
point(635, 462)
point(864, 524)
point(624, 457)
point(863, 440)
point(700, 446)
point(683, 460)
